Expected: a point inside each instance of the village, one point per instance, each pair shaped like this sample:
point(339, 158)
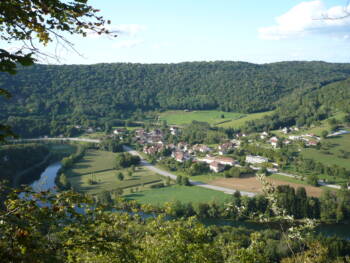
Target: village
point(217, 157)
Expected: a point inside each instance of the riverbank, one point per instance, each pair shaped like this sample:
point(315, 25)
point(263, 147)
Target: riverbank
point(30, 173)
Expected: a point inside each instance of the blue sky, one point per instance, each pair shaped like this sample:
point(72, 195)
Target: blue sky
point(165, 31)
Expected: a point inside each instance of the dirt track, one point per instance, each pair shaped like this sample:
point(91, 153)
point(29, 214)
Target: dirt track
point(251, 184)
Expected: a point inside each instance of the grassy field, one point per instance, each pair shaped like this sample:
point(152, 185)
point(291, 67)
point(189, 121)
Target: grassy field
point(324, 124)
point(332, 155)
point(99, 167)
point(108, 181)
point(184, 194)
point(317, 130)
point(93, 162)
point(213, 117)
point(238, 122)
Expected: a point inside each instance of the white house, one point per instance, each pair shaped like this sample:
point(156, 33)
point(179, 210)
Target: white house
point(274, 141)
point(256, 159)
point(174, 130)
point(226, 160)
point(181, 156)
point(216, 167)
point(264, 135)
point(219, 159)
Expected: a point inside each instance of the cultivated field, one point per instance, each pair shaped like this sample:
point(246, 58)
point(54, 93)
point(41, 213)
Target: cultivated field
point(180, 117)
point(333, 155)
point(184, 194)
point(251, 184)
point(239, 122)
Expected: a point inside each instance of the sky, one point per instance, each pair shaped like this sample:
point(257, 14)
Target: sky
point(172, 31)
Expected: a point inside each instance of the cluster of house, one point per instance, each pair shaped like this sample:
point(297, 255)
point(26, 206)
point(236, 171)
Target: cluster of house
point(218, 163)
point(153, 143)
point(309, 139)
point(274, 141)
point(184, 151)
point(287, 130)
point(153, 137)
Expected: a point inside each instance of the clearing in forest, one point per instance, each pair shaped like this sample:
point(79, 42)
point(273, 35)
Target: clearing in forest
point(213, 117)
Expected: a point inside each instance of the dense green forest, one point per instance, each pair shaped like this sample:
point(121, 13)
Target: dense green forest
point(304, 107)
point(47, 98)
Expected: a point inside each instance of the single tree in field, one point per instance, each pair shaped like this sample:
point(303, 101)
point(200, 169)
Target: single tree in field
point(120, 176)
point(129, 174)
point(324, 134)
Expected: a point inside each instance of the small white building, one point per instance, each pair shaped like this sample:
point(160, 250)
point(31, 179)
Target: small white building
point(264, 135)
point(274, 141)
point(219, 159)
point(285, 130)
point(174, 130)
point(256, 159)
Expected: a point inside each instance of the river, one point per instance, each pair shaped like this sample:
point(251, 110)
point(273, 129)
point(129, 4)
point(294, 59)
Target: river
point(47, 182)
point(47, 179)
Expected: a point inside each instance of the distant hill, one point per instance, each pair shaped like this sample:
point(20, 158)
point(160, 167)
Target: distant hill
point(45, 94)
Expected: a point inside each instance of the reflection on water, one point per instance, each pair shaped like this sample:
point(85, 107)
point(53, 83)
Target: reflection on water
point(47, 179)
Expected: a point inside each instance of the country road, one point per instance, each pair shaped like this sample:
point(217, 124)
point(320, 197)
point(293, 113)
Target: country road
point(173, 176)
point(58, 139)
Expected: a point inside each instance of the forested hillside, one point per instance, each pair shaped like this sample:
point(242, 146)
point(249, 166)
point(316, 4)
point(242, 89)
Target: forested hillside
point(45, 97)
point(304, 107)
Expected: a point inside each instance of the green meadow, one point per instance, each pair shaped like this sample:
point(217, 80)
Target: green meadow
point(184, 194)
point(98, 166)
point(333, 154)
point(180, 117)
point(239, 122)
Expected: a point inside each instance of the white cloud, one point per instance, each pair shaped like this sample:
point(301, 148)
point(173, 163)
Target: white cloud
point(308, 18)
point(129, 43)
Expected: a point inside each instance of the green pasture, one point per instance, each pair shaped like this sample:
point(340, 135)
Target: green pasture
point(180, 117)
point(94, 161)
point(240, 121)
point(108, 181)
point(332, 155)
point(183, 194)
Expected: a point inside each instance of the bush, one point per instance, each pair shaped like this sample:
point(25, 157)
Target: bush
point(312, 180)
point(120, 176)
point(124, 160)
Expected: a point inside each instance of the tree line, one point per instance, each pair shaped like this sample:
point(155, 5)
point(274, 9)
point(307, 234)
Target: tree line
point(47, 96)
